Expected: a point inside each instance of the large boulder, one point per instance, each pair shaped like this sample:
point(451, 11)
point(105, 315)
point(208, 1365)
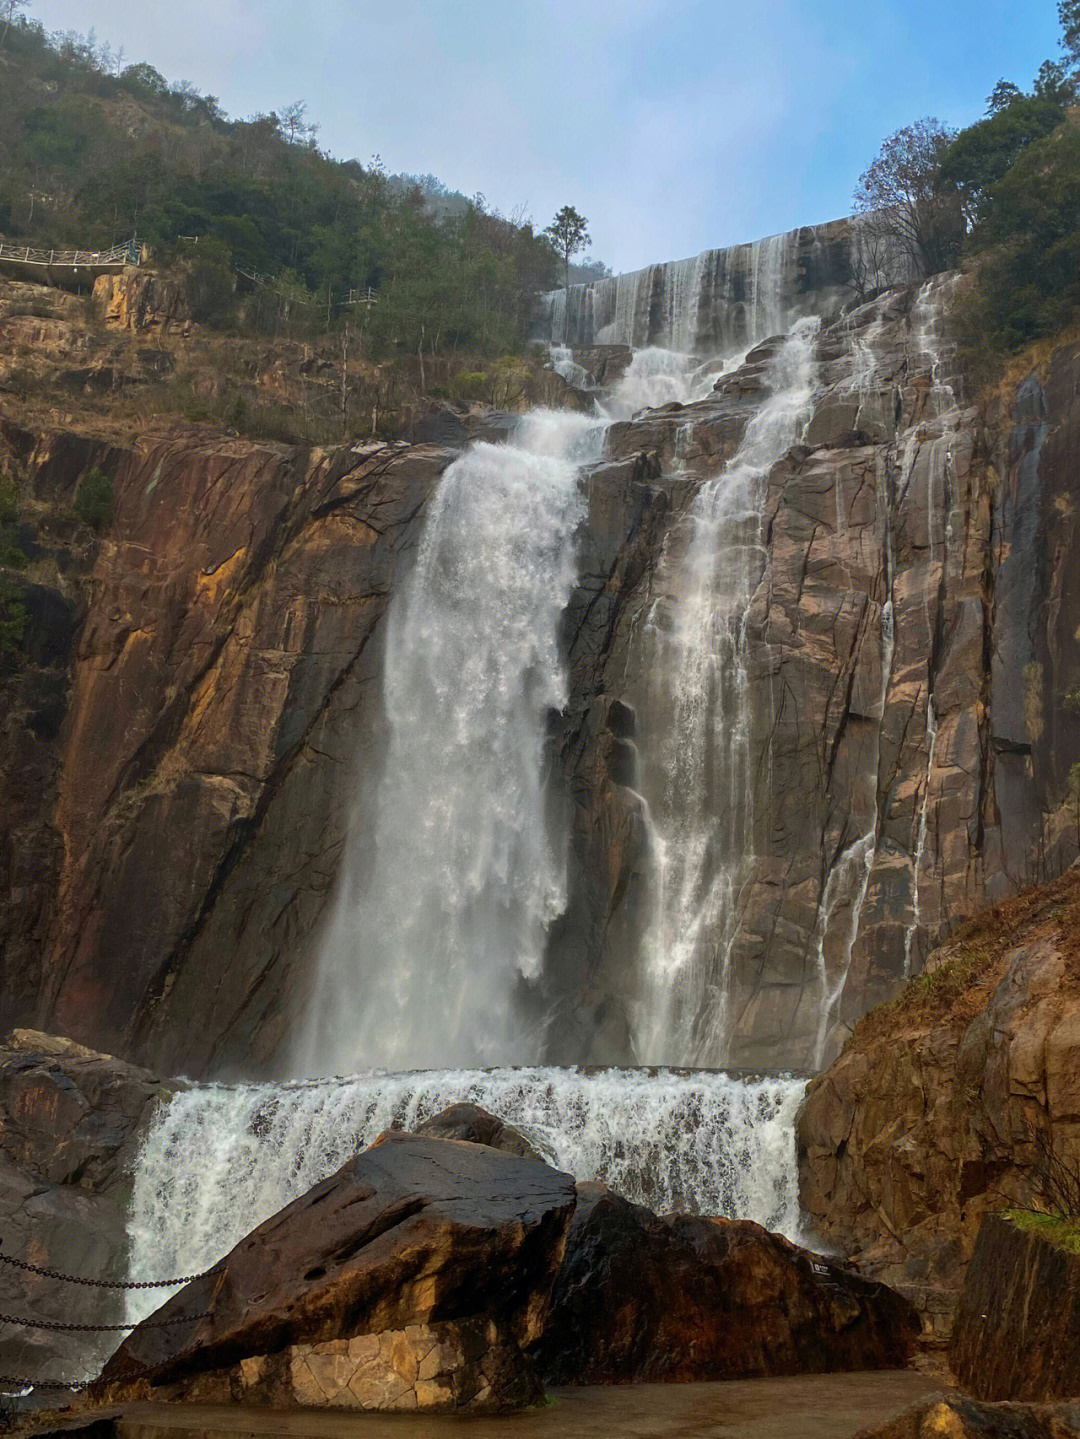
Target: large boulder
point(647, 1297)
point(411, 1278)
point(70, 1124)
point(1017, 1333)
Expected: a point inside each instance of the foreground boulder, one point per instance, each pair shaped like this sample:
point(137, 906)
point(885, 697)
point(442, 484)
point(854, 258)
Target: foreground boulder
point(648, 1297)
point(1017, 1333)
point(954, 1416)
point(410, 1279)
point(70, 1125)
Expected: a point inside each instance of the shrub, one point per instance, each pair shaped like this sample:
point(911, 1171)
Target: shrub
point(470, 384)
point(94, 499)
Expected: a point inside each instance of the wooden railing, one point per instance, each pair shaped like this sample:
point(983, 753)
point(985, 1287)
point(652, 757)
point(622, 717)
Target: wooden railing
point(129, 253)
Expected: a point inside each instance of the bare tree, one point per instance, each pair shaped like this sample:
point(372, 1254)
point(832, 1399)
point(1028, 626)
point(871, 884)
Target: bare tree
point(295, 126)
point(900, 194)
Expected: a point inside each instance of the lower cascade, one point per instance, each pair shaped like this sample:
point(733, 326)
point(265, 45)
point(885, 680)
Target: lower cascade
point(220, 1159)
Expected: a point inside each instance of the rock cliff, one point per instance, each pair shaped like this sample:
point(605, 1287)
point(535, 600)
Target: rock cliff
point(185, 744)
point(953, 1101)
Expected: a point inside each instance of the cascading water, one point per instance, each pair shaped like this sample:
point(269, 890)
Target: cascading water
point(723, 300)
point(944, 415)
point(703, 815)
point(432, 935)
point(219, 1160)
point(655, 377)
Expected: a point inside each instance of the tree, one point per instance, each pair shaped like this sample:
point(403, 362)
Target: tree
point(1054, 83)
point(902, 200)
point(569, 234)
point(1002, 96)
point(983, 154)
point(10, 11)
point(295, 126)
point(1069, 15)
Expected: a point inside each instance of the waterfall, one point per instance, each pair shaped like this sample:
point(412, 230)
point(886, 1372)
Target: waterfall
point(655, 377)
point(944, 415)
point(702, 820)
point(720, 301)
point(446, 891)
point(218, 1160)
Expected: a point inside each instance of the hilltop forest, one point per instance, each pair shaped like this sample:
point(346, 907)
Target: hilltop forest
point(95, 152)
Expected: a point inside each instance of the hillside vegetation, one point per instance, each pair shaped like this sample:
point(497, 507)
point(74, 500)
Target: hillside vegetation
point(93, 152)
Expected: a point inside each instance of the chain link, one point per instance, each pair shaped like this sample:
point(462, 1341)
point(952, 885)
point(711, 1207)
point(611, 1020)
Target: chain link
point(101, 1328)
point(72, 1385)
point(107, 1283)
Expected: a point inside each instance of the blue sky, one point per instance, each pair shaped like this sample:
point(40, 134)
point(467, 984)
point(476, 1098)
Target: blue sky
point(673, 125)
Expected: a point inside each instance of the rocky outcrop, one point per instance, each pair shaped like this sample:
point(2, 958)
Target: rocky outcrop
point(224, 676)
point(450, 1247)
point(1017, 1332)
point(142, 300)
point(70, 1123)
point(643, 1297)
point(954, 1416)
point(945, 1104)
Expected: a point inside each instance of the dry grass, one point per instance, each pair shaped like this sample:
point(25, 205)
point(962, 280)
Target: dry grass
point(964, 973)
point(1055, 1228)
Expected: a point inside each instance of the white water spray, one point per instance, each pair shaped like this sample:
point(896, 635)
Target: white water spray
point(703, 820)
point(218, 1160)
point(447, 891)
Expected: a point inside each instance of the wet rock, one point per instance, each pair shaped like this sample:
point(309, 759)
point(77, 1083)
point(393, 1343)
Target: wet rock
point(937, 1112)
point(1017, 1331)
point(413, 1234)
point(70, 1125)
point(478, 1126)
point(644, 1297)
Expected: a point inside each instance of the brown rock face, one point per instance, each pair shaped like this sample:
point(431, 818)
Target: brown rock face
point(931, 1116)
point(215, 690)
point(70, 1123)
point(1017, 1332)
point(203, 709)
point(414, 1231)
point(954, 1416)
point(467, 1366)
point(140, 300)
point(644, 1297)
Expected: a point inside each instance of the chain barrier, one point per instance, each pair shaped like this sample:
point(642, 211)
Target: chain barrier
point(107, 1283)
point(66, 1327)
point(72, 1386)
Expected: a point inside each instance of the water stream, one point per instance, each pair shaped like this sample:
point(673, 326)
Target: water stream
point(219, 1159)
point(702, 820)
point(447, 890)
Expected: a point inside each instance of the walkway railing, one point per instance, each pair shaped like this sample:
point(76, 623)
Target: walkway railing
point(130, 253)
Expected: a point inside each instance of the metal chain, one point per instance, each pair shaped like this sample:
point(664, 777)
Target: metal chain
point(107, 1283)
point(16, 1382)
point(101, 1328)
